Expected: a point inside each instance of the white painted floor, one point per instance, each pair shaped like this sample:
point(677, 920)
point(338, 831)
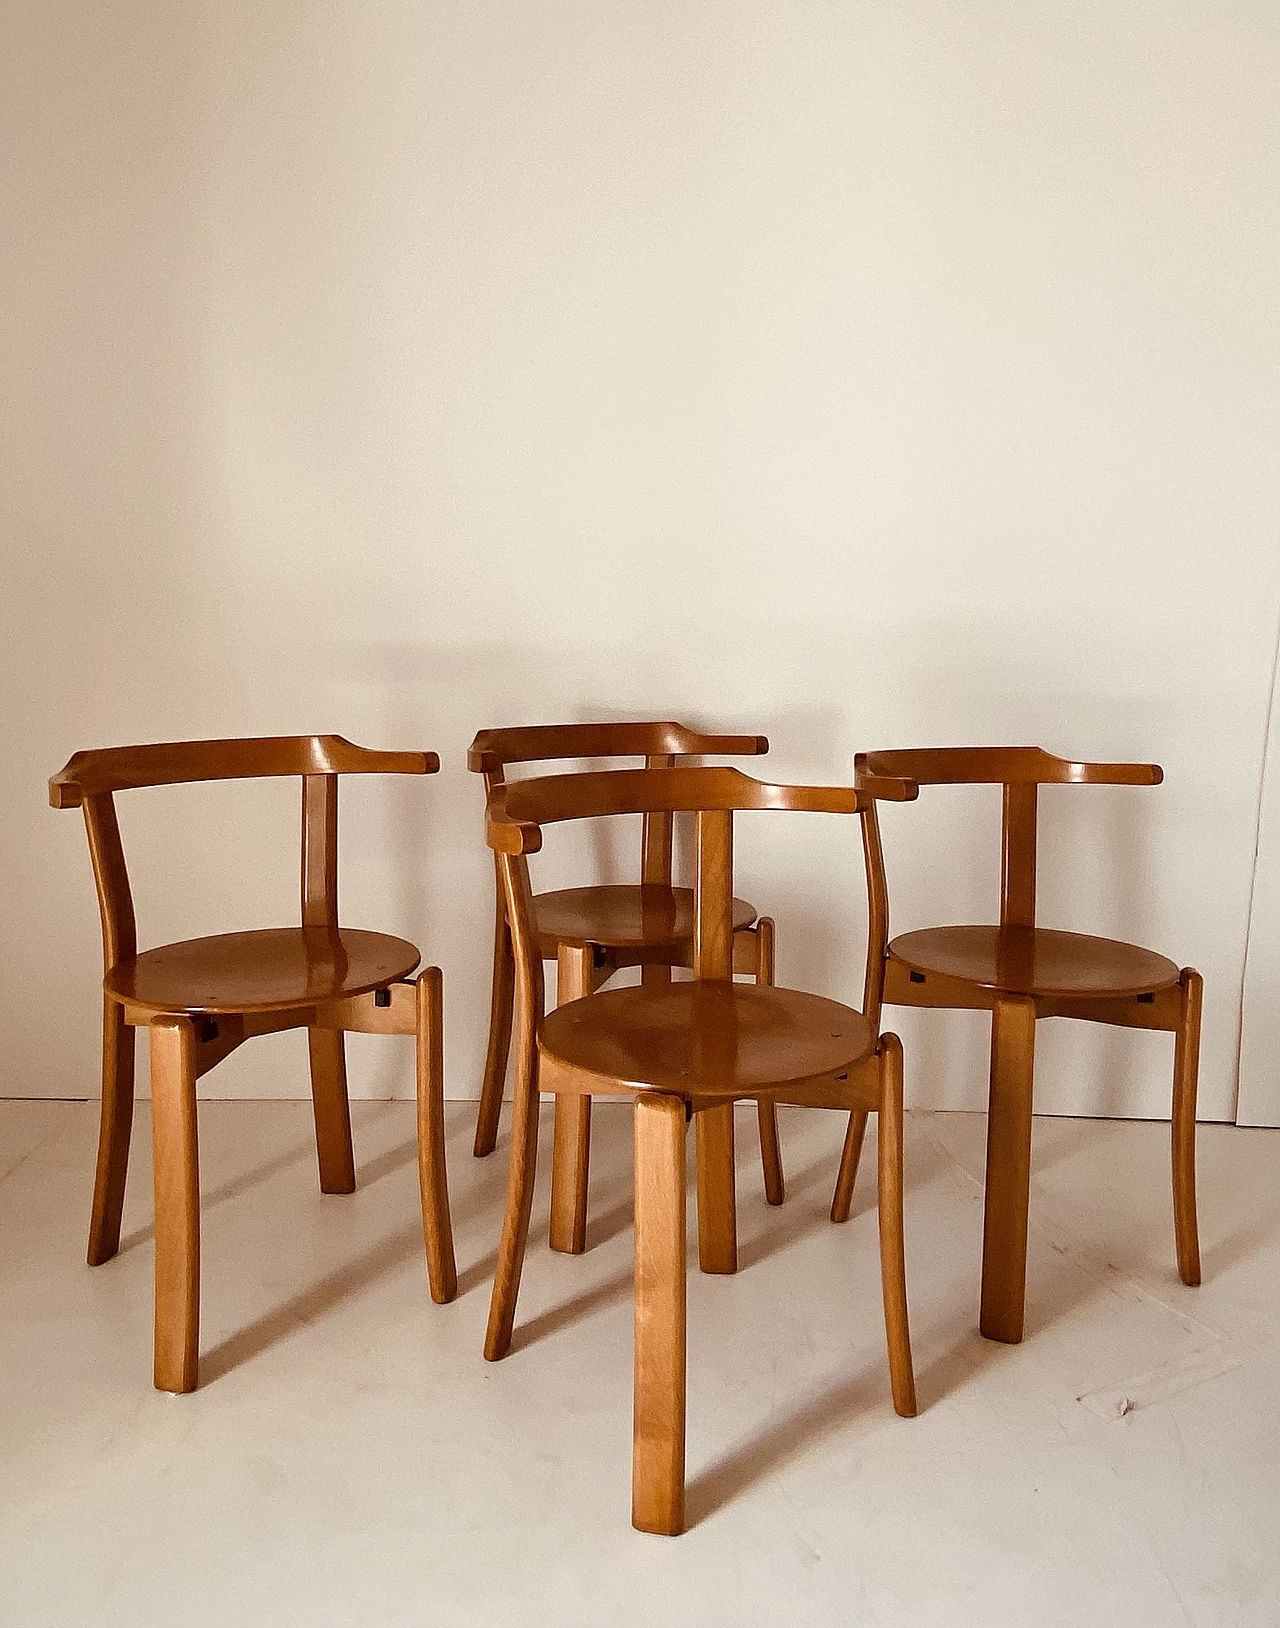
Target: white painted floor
point(352, 1460)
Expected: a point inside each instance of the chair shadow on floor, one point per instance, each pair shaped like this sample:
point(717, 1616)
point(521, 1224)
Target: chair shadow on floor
point(1238, 1246)
point(347, 1281)
point(235, 1187)
point(782, 1442)
point(370, 1171)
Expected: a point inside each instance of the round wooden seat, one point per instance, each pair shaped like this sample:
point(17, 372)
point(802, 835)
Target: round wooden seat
point(266, 971)
point(707, 1038)
point(621, 918)
point(1035, 961)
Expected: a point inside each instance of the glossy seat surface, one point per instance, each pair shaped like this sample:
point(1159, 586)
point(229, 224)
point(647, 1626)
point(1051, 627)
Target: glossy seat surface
point(622, 917)
point(1034, 961)
point(705, 1038)
point(265, 971)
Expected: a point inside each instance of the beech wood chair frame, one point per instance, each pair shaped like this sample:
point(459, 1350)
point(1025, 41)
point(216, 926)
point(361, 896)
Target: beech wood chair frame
point(688, 1051)
point(1021, 973)
point(187, 1040)
point(586, 959)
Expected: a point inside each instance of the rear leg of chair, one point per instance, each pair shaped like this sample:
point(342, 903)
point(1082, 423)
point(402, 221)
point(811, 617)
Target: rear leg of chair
point(1186, 1068)
point(332, 1111)
point(500, 1007)
point(521, 1170)
point(115, 1128)
point(767, 1112)
point(433, 1181)
point(717, 1194)
point(893, 1259)
point(850, 1154)
point(177, 1203)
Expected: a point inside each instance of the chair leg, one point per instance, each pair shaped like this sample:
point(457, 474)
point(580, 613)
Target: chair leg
point(717, 1196)
point(767, 1112)
point(770, 1151)
point(433, 1180)
point(893, 1259)
point(332, 1111)
point(571, 1156)
point(500, 1006)
point(177, 1199)
point(850, 1154)
point(1004, 1228)
point(114, 1130)
point(658, 1441)
point(1186, 1068)
point(521, 1169)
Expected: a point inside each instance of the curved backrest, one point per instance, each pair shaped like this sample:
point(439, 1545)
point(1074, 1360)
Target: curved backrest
point(518, 810)
point(999, 766)
point(1021, 770)
point(90, 780)
point(172, 763)
point(659, 744)
point(493, 749)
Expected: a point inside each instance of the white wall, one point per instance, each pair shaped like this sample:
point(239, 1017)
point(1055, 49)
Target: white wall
point(865, 375)
point(1258, 1100)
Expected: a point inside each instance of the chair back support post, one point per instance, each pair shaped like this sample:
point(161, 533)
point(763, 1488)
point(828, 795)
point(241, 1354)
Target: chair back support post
point(115, 901)
point(657, 840)
point(1018, 855)
point(713, 896)
point(877, 912)
point(320, 850)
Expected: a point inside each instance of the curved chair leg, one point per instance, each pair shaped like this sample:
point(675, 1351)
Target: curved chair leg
point(767, 1112)
point(571, 1156)
point(850, 1154)
point(1186, 1067)
point(658, 1439)
point(177, 1196)
point(521, 1169)
point(332, 1111)
point(1004, 1222)
point(893, 1261)
point(495, 1062)
point(114, 1130)
point(433, 1180)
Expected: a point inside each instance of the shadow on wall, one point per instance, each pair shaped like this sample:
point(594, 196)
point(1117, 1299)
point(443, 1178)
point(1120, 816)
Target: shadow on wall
point(1107, 855)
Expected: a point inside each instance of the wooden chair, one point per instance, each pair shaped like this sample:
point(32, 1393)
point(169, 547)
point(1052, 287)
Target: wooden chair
point(591, 932)
point(1020, 972)
point(201, 999)
point(682, 1051)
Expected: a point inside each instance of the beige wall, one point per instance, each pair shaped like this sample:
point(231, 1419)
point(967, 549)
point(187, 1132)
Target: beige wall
point(865, 375)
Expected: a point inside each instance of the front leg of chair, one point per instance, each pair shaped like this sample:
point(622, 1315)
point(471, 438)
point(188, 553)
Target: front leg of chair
point(1004, 1228)
point(433, 1180)
point(114, 1130)
point(177, 1203)
point(767, 1111)
point(658, 1442)
point(571, 1157)
point(850, 1154)
point(893, 1257)
point(1186, 1068)
point(332, 1111)
point(500, 1007)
